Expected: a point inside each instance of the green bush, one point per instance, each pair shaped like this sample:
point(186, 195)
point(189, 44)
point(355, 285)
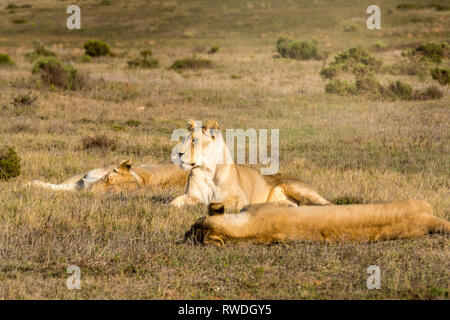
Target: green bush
point(6, 61)
point(350, 58)
point(145, 62)
point(213, 49)
point(346, 200)
point(430, 93)
point(85, 58)
point(330, 72)
point(355, 59)
point(146, 53)
point(434, 51)
point(407, 6)
point(400, 90)
point(441, 75)
point(19, 21)
point(369, 85)
point(56, 73)
point(39, 51)
point(341, 87)
point(192, 63)
point(9, 163)
point(97, 48)
point(299, 50)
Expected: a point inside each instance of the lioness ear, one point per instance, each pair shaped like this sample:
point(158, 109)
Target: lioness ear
point(211, 127)
point(191, 124)
point(125, 165)
point(212, 124)
point(216, 208)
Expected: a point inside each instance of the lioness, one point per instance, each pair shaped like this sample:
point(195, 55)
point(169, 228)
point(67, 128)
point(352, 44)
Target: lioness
point(267, 223)
point(215, 177)
point(123, 178)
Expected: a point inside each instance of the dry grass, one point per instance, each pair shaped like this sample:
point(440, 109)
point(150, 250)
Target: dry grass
point(126, 245)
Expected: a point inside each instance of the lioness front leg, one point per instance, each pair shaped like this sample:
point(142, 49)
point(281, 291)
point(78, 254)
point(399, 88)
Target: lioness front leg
point(183, 200)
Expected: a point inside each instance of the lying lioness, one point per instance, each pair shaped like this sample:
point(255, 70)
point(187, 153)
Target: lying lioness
point(123, 178)
point(267, 223)
point(216, 178)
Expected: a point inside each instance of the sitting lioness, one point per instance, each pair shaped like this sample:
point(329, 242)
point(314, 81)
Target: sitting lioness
point(215, 177)
point(122, 178)
point(267, 223)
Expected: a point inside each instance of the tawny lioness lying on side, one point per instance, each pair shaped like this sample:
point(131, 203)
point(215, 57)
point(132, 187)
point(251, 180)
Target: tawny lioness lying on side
point(216, 178)
point(267, 223)
point(123, 177)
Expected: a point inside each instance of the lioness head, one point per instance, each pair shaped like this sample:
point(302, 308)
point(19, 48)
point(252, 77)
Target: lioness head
point(202, 146)
point(119, 179)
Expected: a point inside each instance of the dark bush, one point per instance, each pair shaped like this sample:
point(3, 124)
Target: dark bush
point(346, 200)
point(98, 142)
point(330, 72)
point(299, 50)
point(192, 63)
point(369, 85)
point(24, 100)
point(354, 56)
point(97, 48)
point(145, 62)
point(213, 49)
point(56, 73)
point(407, 6)
point(341, 87)
point(434, 51)
point(9, 163)
point(430, 93)
point(400, 90)
point(441, 75)
point(6, 61)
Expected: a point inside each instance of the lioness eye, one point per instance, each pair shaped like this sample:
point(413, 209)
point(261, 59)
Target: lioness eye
point(194, 141)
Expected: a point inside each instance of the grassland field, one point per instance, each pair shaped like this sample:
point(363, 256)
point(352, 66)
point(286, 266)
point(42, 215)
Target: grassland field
point(128, 245)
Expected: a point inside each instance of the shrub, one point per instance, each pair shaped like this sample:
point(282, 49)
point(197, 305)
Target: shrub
point(85, 58)
point(19, 21)
point(379, 45)
point(341, 87)
point(146, 53)
point(133, 123)
point(299, 50)
point(410, 67)
point(441, 75)
point(430, 93)
point(434, 51)
point(146, 62)
point(6, 61)
point(369, 85)
point(54, 72)
point(346, 200)
point(39, 50)
point(98, 142)
point(96, 48)
point(407, 6)
point(24, 100)
point(350, 58)
point(192, 63)
point(330, 72)
point(400, 90)
point(213, 49)
point(351, 28)
point(9, 163)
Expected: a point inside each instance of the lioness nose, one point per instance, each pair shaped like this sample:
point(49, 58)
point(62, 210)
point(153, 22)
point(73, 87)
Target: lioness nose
point(180, 154)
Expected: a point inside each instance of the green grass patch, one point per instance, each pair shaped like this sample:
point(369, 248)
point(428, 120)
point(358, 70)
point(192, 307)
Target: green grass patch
point(192, 63)
point(6, 61)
